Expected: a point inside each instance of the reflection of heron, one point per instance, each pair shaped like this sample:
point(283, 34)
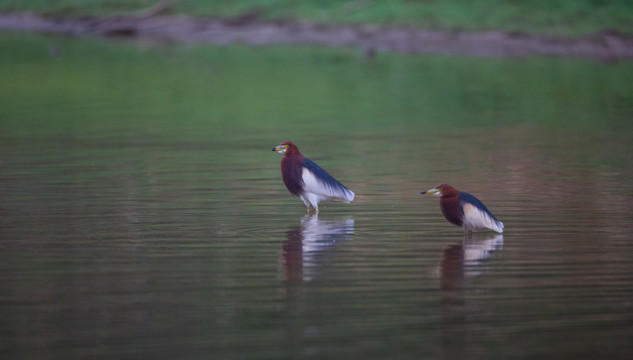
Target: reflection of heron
point(466, 260)
point(478, 251)
point(461, 262)
point(303, 250)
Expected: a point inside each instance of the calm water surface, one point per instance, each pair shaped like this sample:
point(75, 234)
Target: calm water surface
point(142, 213)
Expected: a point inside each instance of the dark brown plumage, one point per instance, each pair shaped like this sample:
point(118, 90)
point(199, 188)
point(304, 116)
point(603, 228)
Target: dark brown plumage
point(307, 180)
point(465, 210)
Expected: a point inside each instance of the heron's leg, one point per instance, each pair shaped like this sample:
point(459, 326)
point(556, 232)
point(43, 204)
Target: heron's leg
point(467, 234)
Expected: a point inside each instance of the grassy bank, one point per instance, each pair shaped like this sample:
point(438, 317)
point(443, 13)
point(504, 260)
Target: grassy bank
point(538, 17)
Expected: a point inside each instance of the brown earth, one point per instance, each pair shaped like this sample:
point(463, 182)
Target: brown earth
point(370, 39)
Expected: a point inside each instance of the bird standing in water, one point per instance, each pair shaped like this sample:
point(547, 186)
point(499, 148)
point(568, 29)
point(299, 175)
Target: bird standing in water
point(464, 209)
point(307, 180)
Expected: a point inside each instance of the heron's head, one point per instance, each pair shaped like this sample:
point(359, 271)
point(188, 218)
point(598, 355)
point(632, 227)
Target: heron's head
point(286, 147)
point(441, 190)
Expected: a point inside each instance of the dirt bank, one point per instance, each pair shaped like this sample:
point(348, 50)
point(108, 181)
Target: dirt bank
point(370, 39)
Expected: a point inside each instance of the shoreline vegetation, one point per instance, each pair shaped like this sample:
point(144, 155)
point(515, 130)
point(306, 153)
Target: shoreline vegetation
point(160, 22)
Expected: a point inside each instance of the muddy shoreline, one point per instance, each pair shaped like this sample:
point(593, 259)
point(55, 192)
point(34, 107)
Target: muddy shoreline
point(369, 39)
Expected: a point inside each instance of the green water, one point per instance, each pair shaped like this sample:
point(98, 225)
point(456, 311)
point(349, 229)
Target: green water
point(142, 213)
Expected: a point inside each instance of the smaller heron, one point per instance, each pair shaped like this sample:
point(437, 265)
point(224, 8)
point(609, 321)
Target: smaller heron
point(464, 209)
point(307, 180)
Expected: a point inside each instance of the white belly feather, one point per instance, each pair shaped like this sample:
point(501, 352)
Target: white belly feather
point(315, 190)
point(476, 219)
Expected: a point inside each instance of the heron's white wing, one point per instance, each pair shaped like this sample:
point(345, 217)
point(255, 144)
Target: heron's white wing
point(476, 218)
point(319, 186)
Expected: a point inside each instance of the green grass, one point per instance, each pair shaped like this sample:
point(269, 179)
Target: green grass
point(541, 17)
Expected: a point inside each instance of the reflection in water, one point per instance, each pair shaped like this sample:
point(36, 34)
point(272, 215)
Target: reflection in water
point(461, 262)
point(466, 261)
point(304, 254)
point(303, 250)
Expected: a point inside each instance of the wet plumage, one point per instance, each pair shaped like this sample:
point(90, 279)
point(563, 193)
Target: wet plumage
point(307, 180)
point(465, 210)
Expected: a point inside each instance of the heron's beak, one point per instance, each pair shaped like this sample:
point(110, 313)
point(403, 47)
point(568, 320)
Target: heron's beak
point(431, 191)
point(280, 148)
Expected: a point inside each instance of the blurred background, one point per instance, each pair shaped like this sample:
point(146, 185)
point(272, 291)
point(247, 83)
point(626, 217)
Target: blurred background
point(143, 215)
